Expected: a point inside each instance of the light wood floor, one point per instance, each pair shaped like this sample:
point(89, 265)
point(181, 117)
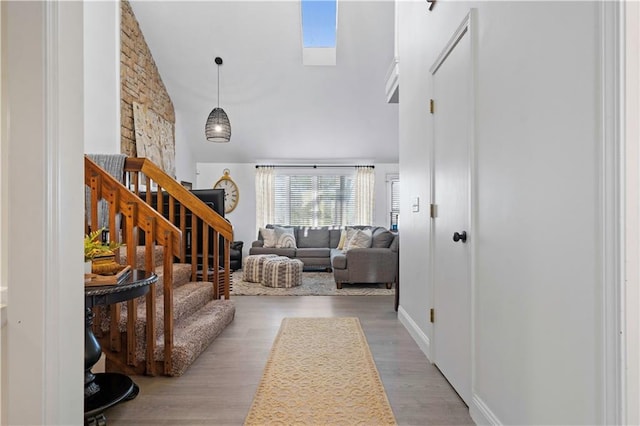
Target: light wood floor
point(219, 387)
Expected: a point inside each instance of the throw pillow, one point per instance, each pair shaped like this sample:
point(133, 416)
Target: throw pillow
point(360, 239)
point(268, 237)
point(381, 238)
point(347, 234)
point(343, 239)
point(285, 238)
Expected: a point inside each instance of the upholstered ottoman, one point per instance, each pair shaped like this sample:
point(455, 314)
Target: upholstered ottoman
point(282, 272)
point(252, 271)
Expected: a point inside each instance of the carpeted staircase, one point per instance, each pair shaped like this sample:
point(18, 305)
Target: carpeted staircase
point(198, 317)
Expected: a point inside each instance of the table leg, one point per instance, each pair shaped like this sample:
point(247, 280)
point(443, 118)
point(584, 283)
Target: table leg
point(92, 353)
point(102, 390)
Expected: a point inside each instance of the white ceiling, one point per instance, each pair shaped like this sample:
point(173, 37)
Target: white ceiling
point(278, 108)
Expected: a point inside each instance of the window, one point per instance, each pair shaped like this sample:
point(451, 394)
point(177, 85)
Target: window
point(314, 200)
point(394, 200)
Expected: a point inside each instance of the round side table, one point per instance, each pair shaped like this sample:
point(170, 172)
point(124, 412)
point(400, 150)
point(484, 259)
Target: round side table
point(104, 390)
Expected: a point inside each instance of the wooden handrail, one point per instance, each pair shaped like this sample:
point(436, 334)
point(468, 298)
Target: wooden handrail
point(137, 215)
point(142, 171)
point(125, 197)
point(181, 194)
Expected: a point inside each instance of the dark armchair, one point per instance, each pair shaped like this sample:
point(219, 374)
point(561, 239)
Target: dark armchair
point(235, 255)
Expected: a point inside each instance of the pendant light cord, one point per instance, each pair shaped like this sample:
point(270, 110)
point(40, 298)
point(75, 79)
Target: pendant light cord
point(218, 86)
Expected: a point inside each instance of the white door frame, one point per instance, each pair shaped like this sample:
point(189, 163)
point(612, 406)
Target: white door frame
point(466, 27)
point(612, 213)
point(621, 94)
point(43, 212)
point(631, 89)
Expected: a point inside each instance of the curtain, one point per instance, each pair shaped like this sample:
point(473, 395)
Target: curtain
point(365, 187)
point(265, 197)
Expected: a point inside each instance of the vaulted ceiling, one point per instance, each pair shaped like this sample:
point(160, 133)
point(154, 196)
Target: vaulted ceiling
point(279, 108)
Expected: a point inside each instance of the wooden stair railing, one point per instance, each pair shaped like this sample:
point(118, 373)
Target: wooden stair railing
point(181, 205)
point(137, 216)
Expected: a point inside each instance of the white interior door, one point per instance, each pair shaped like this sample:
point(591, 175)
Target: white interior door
point(452, 289)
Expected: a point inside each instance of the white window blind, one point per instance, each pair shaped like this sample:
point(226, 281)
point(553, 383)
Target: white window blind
point(314, 200)
point(395, 196)
point(394, 201)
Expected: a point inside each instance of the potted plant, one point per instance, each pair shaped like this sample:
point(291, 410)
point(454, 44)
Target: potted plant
point(95, 249)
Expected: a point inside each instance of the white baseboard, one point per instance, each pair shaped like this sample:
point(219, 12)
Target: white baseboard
point(418, 335)
point(481, 414)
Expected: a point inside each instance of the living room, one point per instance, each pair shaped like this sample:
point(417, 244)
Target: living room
point(349, 121)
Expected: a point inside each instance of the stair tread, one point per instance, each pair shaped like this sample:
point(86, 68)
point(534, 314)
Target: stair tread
point(193, 334)
point(201, 317)
point(181, 275)
point(187, 299)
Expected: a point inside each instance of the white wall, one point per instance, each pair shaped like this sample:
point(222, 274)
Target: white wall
point(185, 162)
point(243, 218)
point(538, 305)
point(102, 77)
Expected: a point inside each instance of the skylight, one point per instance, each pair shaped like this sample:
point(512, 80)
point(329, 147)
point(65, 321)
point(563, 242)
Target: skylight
point(319, 28)
point(319, 23)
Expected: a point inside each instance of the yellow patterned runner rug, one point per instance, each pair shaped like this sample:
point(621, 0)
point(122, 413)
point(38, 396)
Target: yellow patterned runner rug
point(320, 372)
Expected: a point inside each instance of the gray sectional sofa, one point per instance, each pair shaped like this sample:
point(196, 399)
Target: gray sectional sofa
point(313, 245)
point(316, 247)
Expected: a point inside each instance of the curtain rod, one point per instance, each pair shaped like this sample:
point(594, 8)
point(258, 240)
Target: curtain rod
point(313, 166)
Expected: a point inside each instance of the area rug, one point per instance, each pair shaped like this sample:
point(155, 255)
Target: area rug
point(313, 284)
point(320, 372)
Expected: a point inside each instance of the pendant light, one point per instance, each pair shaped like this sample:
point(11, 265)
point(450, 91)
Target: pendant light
point(218, 128)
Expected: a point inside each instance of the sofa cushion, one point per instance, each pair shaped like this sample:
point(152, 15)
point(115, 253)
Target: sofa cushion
point(289, 252)
point(360, 239)
point(381, 238)
point(312, 237)
point(338, 260)
point(284, 237)
point(334, 236)
point(395, 244)
point(313, 252)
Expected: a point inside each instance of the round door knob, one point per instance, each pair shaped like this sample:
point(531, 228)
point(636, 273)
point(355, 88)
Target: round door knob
point(460, 237)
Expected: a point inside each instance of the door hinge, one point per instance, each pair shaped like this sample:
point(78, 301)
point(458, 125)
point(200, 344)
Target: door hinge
point(432, 106)
point(433, 210)
point(432, 315)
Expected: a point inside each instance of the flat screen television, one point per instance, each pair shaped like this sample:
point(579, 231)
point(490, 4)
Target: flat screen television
point(214, 198)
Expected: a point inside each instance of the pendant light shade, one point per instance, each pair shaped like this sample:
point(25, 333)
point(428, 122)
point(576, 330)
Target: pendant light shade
point(218, 127)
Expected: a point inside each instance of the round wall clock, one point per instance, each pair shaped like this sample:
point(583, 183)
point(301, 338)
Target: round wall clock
point(231, 192)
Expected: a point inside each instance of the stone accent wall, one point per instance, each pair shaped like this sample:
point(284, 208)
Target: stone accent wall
point(139, 79)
